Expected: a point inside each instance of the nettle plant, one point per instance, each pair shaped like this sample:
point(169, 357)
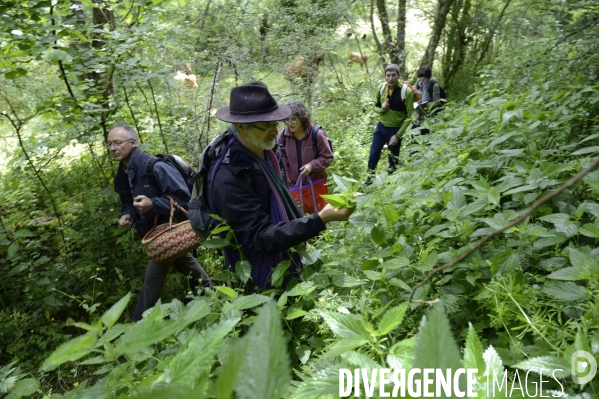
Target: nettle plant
point(522, 302)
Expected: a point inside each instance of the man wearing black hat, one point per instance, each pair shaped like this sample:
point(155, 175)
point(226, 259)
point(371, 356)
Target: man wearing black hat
point(249, 191)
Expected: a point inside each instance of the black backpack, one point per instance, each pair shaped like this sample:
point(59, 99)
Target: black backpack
point(199, 208)
point(443, 96)
point(186, 171)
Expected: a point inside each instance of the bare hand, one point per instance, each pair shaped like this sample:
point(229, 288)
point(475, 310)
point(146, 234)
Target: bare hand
point(142, 203)
point(330, 214)
point(306, 169)
point(126, 221)
point(393, 141)
point(385, 105)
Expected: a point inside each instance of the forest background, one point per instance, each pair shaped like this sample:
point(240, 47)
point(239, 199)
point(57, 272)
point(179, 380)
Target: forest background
point(459, 259)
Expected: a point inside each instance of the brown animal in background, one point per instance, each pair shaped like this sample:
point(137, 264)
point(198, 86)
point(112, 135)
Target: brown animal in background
point(187, 80)
point(303, 67)
point(358, 58)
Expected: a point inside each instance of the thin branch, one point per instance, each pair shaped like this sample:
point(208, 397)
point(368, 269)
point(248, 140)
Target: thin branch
point(132, 114)
point(522, 217)
point(158, 116)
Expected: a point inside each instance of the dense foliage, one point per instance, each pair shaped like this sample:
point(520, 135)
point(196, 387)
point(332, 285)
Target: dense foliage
point(521, 121)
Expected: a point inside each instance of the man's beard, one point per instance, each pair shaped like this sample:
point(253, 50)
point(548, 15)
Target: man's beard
point(264, 144)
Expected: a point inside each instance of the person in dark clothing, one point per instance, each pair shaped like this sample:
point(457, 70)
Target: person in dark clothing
point(431, 97)
point(394, 104)
point(141, 202)
point(249, 190)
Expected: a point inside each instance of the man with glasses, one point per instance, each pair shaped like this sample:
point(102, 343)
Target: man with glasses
point(248, 189)
point(141, 200)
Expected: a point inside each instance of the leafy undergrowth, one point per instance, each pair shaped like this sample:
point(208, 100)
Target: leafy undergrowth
point(524, 301)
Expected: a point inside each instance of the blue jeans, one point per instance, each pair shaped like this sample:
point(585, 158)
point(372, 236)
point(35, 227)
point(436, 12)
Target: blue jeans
point(381, 136)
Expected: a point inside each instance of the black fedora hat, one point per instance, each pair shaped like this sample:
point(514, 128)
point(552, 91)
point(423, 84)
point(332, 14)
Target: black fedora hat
point(250, 103)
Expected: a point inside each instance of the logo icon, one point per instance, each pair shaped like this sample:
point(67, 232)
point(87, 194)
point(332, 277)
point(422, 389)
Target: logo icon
point(579, 367)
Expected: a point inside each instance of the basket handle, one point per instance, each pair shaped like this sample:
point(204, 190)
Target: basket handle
point(174, 205)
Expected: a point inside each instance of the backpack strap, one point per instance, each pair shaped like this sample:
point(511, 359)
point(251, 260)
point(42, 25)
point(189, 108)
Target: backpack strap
point(148, 178)
point(404, 89)
point(315, 130)
point(219, 161)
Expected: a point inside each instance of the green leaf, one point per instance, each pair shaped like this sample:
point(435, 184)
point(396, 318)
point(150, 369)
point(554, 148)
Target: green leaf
point(244, 270)
point(336, 200)
point(392, 318)
point(71, 350)
point(25, 387)
point(147, 332)
point(266, 372)
point(12, 250)
point(295, 314)
point(225, 290)
point(567, 291)
point(322, 383)
point(16, 73)
point(341, 183)
point(401, 355)
point(215, 243)
point(435, 346)
point(557, 239)
point(473, 352)
point(553, 363)
point(587, 150)
point(395, 263)
point(196, 310)
point(112, 315)
point(169, 392)
point(279, 273)
point(24, 233)
point(589, 230)
point(343, 346)
point(227, 377)
point(378, 235)
point(346, 281)
point(493, 363)
point(194, 362)
point(567, 273)
point(505, 262)
point(586, 265)
point(346, 325)
point(56, 55)
point(248, 301)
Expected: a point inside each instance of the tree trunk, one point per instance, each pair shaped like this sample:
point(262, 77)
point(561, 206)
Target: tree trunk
point(379, 47)
point(401, 35)
point(443, 7)
point(457, 40)
point(388, 45)
point(487, 43)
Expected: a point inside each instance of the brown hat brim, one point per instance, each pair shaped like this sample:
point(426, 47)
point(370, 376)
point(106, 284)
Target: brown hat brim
point(281, 112)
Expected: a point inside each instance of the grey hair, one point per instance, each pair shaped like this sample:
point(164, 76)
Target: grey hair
point(300, 110)
point(131, 133)
point(392, 67)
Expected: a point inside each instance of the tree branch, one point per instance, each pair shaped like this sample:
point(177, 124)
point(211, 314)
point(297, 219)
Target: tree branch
point(508, 226)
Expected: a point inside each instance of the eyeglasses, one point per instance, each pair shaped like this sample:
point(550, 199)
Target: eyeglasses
point(268, 126)
point(116, 143)
point(292, 119)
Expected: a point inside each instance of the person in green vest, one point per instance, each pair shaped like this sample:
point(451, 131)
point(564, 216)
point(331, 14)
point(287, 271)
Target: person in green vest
point(394, 102)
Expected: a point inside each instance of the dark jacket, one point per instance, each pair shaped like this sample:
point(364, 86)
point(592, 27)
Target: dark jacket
point(131, 181)
point(241, 195)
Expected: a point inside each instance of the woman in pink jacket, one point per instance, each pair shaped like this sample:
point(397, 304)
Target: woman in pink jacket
point(298, 152)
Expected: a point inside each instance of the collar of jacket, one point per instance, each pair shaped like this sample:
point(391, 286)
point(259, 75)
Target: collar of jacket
point(239, 158)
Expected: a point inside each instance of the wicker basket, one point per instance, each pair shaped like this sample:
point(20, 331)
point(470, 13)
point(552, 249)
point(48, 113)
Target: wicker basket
point(168, 241)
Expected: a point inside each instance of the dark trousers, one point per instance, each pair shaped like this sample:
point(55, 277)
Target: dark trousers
point(156, 277)
point(381, 136)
